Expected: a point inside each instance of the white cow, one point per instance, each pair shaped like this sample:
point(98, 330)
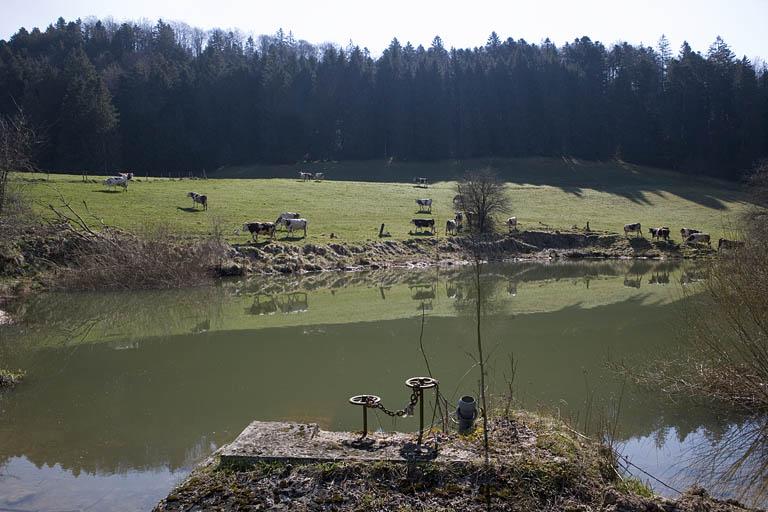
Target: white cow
point(284, 216)
point(512, 224)
point(294, 224)
point(686, 232)
point(698, 238)
point(117, 181)
point(425, 205)
point(451, 227)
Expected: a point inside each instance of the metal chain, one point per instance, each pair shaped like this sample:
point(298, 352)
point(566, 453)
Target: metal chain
point(407, 410)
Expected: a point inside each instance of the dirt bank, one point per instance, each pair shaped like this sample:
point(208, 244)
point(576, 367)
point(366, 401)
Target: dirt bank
point(36, 259)
point(536, 464)
point(269, 258)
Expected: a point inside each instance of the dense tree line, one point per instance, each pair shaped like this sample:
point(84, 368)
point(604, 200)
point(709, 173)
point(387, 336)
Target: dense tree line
point(171, 97)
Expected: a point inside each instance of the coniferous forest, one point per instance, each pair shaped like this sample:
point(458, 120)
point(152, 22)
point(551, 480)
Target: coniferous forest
point(154, 98)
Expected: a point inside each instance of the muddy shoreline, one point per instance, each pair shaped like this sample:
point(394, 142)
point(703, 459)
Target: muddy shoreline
point(277, 258)
point(29, 262)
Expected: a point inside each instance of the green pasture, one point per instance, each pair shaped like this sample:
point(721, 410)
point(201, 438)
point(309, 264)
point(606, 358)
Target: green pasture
point(552, 192)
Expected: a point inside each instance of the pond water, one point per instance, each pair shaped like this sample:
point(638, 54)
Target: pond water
point(126, 392)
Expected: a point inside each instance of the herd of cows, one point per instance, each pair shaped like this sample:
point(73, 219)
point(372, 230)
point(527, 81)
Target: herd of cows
point(688, 235)
point(293, 222)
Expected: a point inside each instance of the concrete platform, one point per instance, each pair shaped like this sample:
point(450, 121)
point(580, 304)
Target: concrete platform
point(307, 443)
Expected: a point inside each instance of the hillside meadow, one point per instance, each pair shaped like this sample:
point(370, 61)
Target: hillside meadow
point(558, 193)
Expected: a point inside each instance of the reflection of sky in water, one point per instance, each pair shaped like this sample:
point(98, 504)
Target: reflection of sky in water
point(662, 455)
point(26, 487)
point(730, 465)
point(130, 402)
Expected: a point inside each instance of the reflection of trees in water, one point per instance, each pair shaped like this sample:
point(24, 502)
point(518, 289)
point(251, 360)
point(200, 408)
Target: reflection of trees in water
point(735, 463)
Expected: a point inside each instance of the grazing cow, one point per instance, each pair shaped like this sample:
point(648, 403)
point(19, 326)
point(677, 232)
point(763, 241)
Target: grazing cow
point(512, 224)
point(660, 233)
point(425, 205)
point(260, 228)
point(633, 228)
point(698, 238)
point(319, 176)
point(305, 176)
point(725, 245)
point(420, 182)
point(686, 232)
point(286, 215)
point(198, 199)
point(458, 201)
point(451, 227)
point(424, 224)
point(117, 181)
point(126, 175)
point(294, 224)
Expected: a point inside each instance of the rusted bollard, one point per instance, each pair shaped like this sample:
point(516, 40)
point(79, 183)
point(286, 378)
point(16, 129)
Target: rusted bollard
point(366, 401)
point(419, 384)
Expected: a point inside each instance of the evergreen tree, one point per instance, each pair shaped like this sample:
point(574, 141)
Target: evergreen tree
point(187, 99)
point(87, 119)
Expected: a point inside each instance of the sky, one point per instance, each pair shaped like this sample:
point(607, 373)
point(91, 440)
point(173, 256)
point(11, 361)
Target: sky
point(461, 24)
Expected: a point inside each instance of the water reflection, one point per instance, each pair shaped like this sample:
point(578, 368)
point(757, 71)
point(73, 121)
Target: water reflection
point(735, 464)
point(175, 374)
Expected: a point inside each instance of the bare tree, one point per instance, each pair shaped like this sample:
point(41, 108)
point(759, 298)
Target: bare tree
point(17, 139)
point(482, 196)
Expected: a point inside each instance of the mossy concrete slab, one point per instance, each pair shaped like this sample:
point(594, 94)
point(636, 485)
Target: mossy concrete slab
point(266, 441)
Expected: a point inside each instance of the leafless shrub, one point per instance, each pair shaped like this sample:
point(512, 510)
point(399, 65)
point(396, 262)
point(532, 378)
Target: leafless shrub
point(17, 140)
point(730, 326)
point(483, 196)
point(152, 259)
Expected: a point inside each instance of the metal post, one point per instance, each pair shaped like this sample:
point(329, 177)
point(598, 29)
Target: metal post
point(421, 415)
point(365, 401)
point(418, 385)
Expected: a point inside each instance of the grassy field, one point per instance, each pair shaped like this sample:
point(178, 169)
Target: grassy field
point(557, 193)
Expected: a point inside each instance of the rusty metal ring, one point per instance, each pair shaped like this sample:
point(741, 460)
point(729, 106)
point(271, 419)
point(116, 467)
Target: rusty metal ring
point(421, 382)
point(365, 400)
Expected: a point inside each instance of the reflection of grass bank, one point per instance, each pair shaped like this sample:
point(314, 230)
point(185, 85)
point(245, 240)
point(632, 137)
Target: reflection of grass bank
point(331, 298)
point(537, 464)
